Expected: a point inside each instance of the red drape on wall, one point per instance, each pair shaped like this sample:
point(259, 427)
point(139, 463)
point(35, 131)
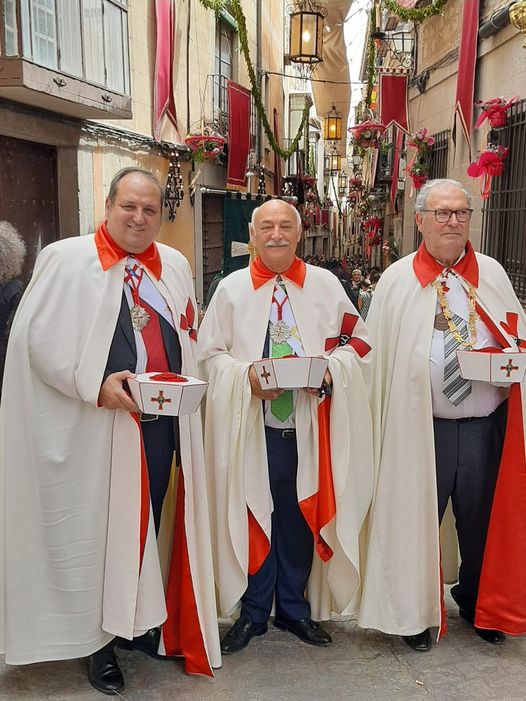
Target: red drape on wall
point(466, 69)
point(238, 132)
point(163, 97)
point(393, 99)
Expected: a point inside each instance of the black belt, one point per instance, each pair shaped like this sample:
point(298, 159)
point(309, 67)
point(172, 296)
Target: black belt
point(148, 417)
point(465, 419)
point(287, 433)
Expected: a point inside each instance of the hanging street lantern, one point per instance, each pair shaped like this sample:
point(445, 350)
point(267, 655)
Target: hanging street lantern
point(332, 128)
point(306, 32)
point(335, 162)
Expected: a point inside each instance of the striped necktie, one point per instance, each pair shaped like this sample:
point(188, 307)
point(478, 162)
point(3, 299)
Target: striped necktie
point(454, 387)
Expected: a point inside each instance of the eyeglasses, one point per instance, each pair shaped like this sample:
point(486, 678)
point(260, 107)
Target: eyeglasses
point(444, 215)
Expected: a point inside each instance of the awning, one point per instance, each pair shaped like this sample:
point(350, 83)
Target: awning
point(335, 68)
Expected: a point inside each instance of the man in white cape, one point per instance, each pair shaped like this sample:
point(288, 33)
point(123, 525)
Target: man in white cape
point(289, 472)
point(102, 532)
point(438, 436)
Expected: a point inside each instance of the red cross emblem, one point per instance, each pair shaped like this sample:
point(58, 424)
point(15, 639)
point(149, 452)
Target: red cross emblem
point(510, 367)
point(345, 337)
point(187, 322)
point(161, 399)
point(511, 327)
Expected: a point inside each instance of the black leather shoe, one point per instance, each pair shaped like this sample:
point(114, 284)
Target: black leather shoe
point(307, 630)
point(241, 634)
point(147, 643)
point(495, 637)
point(421, 642)
point(104, 673)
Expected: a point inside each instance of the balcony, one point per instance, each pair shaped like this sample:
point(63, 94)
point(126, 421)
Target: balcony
point(66, 56)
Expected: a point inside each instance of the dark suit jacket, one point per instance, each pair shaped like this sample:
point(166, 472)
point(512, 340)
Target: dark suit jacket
point(123, 352)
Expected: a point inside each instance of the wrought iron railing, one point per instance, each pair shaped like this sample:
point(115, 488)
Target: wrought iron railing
point(438, 165)
point(503, 214)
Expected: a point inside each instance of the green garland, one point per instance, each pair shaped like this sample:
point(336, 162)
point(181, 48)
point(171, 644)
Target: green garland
point(415, 14)
point(371, 58)
point(235, 8)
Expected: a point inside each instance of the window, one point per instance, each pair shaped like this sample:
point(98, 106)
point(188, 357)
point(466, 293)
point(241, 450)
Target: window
point(43, 33)
point(439, 154)
point(503, 213)
point(223, 70)
point(10, 34)
point(86, 39)
point(69, 37)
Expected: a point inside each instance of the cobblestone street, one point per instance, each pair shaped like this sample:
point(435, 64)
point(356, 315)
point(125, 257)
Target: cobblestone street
point(360, 665)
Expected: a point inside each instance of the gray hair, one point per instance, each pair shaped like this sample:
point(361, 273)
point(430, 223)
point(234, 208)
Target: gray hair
point(256, 209)
point(112, 193)
point(423, 193)
point(12, 252)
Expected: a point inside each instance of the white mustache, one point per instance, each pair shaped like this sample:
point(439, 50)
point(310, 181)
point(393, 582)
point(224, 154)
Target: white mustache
point(282, 244)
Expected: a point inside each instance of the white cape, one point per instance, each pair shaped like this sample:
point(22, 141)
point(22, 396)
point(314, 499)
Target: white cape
point(232, 335)
point(402, 586)
point(70, 578)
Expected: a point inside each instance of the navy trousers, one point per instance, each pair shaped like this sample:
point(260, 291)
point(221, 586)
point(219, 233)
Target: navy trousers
point(287, 567)
point(468, 453)
point(159, 446)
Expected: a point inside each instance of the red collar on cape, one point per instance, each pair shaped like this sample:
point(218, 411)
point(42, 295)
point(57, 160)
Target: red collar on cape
point(427, 268)
point(260, 273)
point(110, 253)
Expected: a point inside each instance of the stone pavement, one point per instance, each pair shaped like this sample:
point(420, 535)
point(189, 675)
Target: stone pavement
point(359, 666)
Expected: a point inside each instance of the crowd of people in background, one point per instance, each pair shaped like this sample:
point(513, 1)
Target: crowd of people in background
point(357, 278)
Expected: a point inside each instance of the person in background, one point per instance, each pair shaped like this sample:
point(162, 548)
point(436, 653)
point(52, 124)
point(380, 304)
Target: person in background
point(12, 254)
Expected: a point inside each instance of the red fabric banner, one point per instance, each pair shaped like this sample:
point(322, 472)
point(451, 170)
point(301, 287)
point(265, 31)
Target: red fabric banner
point(396, 164)
point(238, 133)
point(163, 95)
point(277, 159)
point(393, 99)
point(466, 69)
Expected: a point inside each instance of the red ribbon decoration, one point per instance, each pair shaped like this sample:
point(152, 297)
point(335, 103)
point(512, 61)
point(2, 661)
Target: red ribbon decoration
point(494, 111)
point(511, 327)
point(490, 164)
point(168, 377)
point(187, 322)
point(345, 337)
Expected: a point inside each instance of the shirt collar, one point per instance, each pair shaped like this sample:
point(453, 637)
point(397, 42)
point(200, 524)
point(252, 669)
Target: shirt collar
point(260, 274)
point(428, 268)
point(111, 253)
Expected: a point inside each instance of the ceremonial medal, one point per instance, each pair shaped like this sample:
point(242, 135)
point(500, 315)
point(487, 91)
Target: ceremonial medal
point(139, 317)
point(280, 331)
point(441, 322)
